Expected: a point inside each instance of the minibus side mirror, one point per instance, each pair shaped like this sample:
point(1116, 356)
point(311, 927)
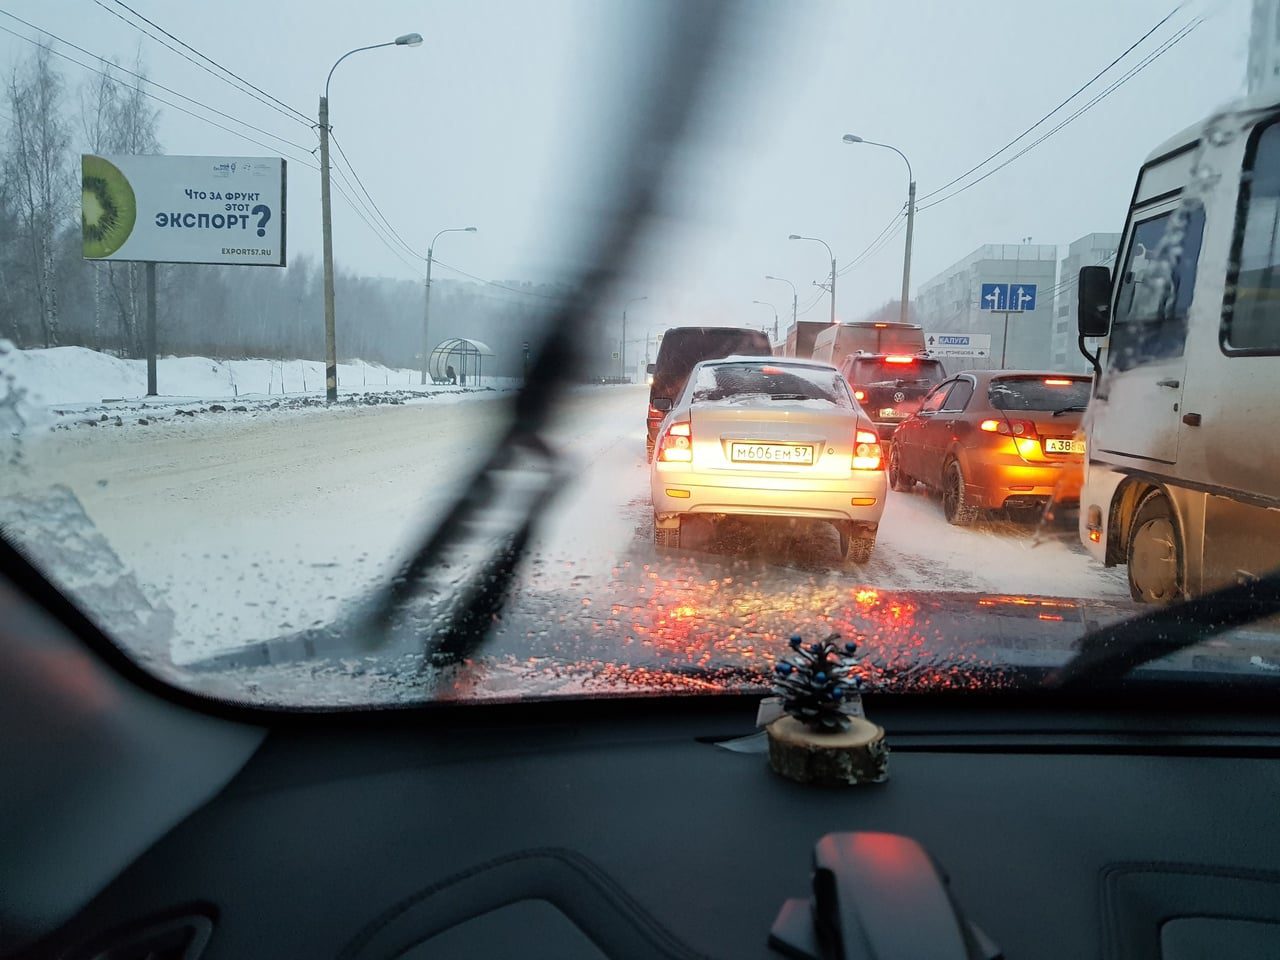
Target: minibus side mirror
point(1093, 318)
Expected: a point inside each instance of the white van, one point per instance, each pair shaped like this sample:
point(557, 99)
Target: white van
point(1182, 476)
point(840, 340)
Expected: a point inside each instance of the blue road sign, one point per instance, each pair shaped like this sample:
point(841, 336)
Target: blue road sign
point(994, 296)
point(1010, 297)
point(1022, 297)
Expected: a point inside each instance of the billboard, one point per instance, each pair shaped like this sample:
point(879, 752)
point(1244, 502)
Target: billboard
point(183, 209)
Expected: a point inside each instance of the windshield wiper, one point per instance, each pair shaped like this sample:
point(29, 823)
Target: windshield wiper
point(790, 396)
point(643, 158)
point(1113, 651)
point(1077, 408)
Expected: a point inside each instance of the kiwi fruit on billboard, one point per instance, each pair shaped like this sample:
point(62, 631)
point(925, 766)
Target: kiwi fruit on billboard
point(173, 209)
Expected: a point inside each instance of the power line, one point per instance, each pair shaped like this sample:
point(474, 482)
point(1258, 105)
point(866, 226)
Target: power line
point(351, 166)
point(1125, 78)
point(879, 244)
point(143, 78)
point(495, 284)
point(1077, 93)
point(293, 114)
point(849, 266)
point(167, 103)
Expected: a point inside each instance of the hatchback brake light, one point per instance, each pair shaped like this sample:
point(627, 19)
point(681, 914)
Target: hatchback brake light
point(899, 359)
point(676, 445)
point(866, 450)
point(1010, 427)
point(859, 395)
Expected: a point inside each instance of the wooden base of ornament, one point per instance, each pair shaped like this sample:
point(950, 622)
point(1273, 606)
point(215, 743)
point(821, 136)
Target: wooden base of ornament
point(842, 758)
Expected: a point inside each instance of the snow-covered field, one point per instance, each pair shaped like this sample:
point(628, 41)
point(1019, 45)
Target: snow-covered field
point(72, 377)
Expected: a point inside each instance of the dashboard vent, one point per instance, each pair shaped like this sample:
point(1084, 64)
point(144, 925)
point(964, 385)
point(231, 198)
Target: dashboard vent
point(174, 938)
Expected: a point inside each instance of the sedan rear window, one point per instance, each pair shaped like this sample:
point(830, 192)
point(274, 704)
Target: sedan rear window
point(1039, 393)
point(737, 381)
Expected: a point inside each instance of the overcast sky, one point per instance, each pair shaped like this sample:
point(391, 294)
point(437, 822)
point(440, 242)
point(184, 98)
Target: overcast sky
point(497, 119)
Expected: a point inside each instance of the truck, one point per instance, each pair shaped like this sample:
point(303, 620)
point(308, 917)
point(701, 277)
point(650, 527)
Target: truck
point(1181, 481)
point(840, 340)
point(799, 340)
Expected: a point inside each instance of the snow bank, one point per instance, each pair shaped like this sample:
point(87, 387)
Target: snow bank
point(78, 375)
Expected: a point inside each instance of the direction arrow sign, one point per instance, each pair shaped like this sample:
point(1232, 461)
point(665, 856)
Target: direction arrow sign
point(994, 296)
point(1007, 297)
point(958, 344)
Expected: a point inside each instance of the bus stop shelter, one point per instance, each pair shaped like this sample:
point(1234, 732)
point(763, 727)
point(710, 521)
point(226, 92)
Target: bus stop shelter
point(466, 357)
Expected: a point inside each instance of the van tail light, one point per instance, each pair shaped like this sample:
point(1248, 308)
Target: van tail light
point(866, 450)
point(676, 445)
point(859, 395)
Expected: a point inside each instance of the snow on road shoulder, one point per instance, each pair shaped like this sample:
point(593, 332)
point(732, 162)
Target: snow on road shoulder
point(68, 377)
point(66, 387)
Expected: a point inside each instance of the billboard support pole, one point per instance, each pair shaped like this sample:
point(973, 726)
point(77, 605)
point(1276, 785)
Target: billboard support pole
point(151, 328)
point(1004, 345)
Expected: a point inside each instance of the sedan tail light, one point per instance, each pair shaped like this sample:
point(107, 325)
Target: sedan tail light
point(676, 445)
point(866, 450)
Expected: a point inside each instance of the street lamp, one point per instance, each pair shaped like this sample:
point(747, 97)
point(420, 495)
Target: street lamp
point(330, 332)
point(911, 216)
point(796, 236)
point(765, 303)
point(795, 296)
point(622, 347)
point(426, 306)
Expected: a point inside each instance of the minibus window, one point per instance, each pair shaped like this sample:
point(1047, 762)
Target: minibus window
point(1156, 287)
point(1252, 321)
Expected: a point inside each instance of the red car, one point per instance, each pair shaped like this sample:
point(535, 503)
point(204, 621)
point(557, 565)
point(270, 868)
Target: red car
point(994, 439)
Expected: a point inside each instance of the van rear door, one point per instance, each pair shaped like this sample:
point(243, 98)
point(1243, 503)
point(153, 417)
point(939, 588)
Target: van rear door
point(1145, 354)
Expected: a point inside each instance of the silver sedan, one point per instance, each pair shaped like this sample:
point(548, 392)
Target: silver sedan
point(769, 437)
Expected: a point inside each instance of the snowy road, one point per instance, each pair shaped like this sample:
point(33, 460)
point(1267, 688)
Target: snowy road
point(250, 527)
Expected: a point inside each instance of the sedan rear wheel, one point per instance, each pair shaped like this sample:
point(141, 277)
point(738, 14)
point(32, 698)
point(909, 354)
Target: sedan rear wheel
point(956, 506)
point(855, 544)
point(899, 480)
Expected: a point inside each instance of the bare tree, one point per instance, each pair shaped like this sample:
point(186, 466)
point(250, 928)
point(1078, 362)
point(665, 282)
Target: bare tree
point(36, 169)
point(97, 109)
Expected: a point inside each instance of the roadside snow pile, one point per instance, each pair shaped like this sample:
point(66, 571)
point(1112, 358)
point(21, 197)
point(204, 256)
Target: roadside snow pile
point(71, 376)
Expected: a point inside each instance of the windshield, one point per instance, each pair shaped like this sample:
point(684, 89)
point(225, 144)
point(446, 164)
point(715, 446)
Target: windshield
point(910, 370)
point(1039, 393)
point(729, 381)
point(357, 370)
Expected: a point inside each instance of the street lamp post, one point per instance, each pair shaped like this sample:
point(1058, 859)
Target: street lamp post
point(911, 217)
point(622, 347)
point(795, 296)
point(765, 303)
point(796, 236)
point(426, 304)
point(330, 331)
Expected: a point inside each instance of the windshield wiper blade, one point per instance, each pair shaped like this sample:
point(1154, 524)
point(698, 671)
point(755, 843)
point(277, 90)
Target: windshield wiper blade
point(1112, 652)
point(1077, 408)
point(790, 396)
point(644, 156)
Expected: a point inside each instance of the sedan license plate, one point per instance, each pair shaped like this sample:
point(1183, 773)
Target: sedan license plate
point(1054, 445)
point(771, 453)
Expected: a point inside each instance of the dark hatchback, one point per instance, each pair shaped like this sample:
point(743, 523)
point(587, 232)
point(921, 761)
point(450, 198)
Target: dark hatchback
point(890, 387)
point(682, 349)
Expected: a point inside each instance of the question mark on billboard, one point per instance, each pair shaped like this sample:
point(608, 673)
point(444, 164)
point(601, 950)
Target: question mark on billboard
point(265, 212)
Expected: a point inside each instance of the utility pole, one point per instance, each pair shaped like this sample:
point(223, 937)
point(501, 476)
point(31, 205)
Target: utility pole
point(326, 216)
point(330, 330)
point(905, 316)
point(903, 313)
point(426, 300)
point(426, 317)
